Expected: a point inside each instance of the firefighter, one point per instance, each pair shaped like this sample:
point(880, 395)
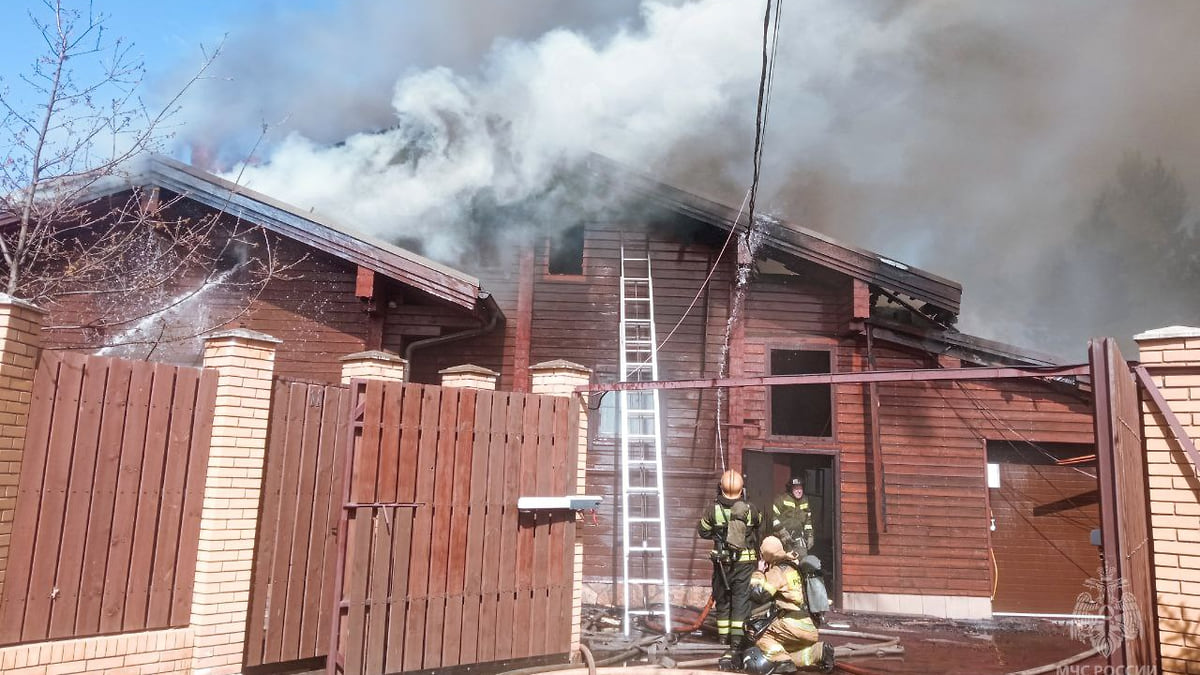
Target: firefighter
point(732, 525)
point(789, 640)
point(791, 519)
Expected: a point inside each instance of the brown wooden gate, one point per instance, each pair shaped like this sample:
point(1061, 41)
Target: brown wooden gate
point(292, 593)
point(108, 504)
point(1127, 580)
point(440, 568)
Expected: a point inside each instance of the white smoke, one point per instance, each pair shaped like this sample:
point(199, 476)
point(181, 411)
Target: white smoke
point(968, 139)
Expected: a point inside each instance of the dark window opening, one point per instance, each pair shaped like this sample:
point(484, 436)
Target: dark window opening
point(801, 409)
point(566, 252)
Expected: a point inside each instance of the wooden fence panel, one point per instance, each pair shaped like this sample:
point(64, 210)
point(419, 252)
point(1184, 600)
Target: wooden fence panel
point(107, 519)
point(441, 569)
point(291, 591)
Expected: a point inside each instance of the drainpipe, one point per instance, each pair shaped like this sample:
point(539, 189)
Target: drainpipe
point(496, 318)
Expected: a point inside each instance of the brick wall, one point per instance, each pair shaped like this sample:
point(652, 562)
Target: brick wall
point(152, 652)
point(229, 521)
point(20, 339)
point(1175, 498)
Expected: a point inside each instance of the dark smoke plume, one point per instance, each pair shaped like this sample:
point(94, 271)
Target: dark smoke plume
point(989, 142)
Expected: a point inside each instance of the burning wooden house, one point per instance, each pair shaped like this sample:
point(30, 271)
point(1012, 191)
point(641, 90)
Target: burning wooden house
point(932, 497)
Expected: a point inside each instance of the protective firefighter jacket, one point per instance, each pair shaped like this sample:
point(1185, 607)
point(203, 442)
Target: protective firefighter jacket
point(735, 523)
point(791, 521)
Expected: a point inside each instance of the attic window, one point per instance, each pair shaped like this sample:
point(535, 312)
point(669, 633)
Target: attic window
point(566, 253)
point(801, 409)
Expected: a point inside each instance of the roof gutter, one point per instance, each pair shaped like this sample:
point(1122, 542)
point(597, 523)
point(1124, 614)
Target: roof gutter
point(495, 318)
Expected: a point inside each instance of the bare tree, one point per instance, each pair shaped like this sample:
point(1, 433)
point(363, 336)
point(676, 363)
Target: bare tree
point(76, 230)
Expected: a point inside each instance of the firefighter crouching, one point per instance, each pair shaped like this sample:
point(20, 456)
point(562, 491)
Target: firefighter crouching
point(732, 525)
point(785, 637)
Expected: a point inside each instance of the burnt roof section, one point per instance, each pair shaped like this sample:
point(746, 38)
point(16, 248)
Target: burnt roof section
point(791, 239)
point(969, 348)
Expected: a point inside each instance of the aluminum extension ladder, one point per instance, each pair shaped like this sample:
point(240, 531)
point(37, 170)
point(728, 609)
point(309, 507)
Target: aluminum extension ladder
point(643, 509)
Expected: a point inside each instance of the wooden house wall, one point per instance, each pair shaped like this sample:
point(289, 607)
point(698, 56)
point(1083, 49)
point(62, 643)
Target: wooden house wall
point(577, 318)
point(934, 438)
point(311, 307)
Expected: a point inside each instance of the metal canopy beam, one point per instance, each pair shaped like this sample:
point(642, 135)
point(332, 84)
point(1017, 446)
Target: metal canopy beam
point(866, 376)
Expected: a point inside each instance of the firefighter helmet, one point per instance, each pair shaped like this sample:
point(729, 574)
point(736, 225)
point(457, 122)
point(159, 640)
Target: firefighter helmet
point(731, 484)
point(773, 551)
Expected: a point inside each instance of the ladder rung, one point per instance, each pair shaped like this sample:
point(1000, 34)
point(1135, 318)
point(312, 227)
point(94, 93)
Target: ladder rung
point(645, 548)
point(644, 612)
point(637, 299)
point(640, 437)
point(636, 259)
point(637, 320)
point(641, 490)
point(635, 279)
point(645, 581)
point(638, 519)
point(642, 462)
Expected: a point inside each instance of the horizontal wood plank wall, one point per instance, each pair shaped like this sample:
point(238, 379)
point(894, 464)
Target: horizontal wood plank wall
point(291, 594)
point(108, 507)
point(312, 308)
point(462, 577)
point(934, 437)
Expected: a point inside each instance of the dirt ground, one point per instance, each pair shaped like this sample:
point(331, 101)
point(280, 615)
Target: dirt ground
point(936, 646)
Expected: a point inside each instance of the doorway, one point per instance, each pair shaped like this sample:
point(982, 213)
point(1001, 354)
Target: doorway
point(767, 474)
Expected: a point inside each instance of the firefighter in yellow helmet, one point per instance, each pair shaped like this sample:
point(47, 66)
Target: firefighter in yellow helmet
point(789, 640)
point(732, 524)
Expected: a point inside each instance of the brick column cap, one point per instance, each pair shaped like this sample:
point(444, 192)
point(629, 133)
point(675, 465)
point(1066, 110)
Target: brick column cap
point(242, 334)
point(560, 364)
point(1168, 333)
point(468, 369)
point(6, 299)
point(373, 355)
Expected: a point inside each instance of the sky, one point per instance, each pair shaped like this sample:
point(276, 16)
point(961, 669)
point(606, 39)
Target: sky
point(165, 33)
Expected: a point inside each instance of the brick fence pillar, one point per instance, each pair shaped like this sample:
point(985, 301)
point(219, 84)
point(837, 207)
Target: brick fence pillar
point(560, 378)
point(374, 365)
point(245, 361)
point(469, 377)
point(1174, 497)
point(20, 341)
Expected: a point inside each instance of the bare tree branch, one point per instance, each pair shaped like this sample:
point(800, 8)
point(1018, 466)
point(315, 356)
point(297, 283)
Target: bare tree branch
point(134, 262)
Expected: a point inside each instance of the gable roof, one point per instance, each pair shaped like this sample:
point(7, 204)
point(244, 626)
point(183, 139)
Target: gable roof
point(791, 239)
point(316, 230)
point(308, 227)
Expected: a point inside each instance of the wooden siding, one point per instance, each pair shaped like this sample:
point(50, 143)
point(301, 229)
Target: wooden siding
point(312, 307)
point(109, 498)
point(933, 436)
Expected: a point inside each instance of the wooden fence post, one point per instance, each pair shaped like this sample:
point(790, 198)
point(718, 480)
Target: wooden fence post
point(245, 361)
point(20, 342)
point(560, 378)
